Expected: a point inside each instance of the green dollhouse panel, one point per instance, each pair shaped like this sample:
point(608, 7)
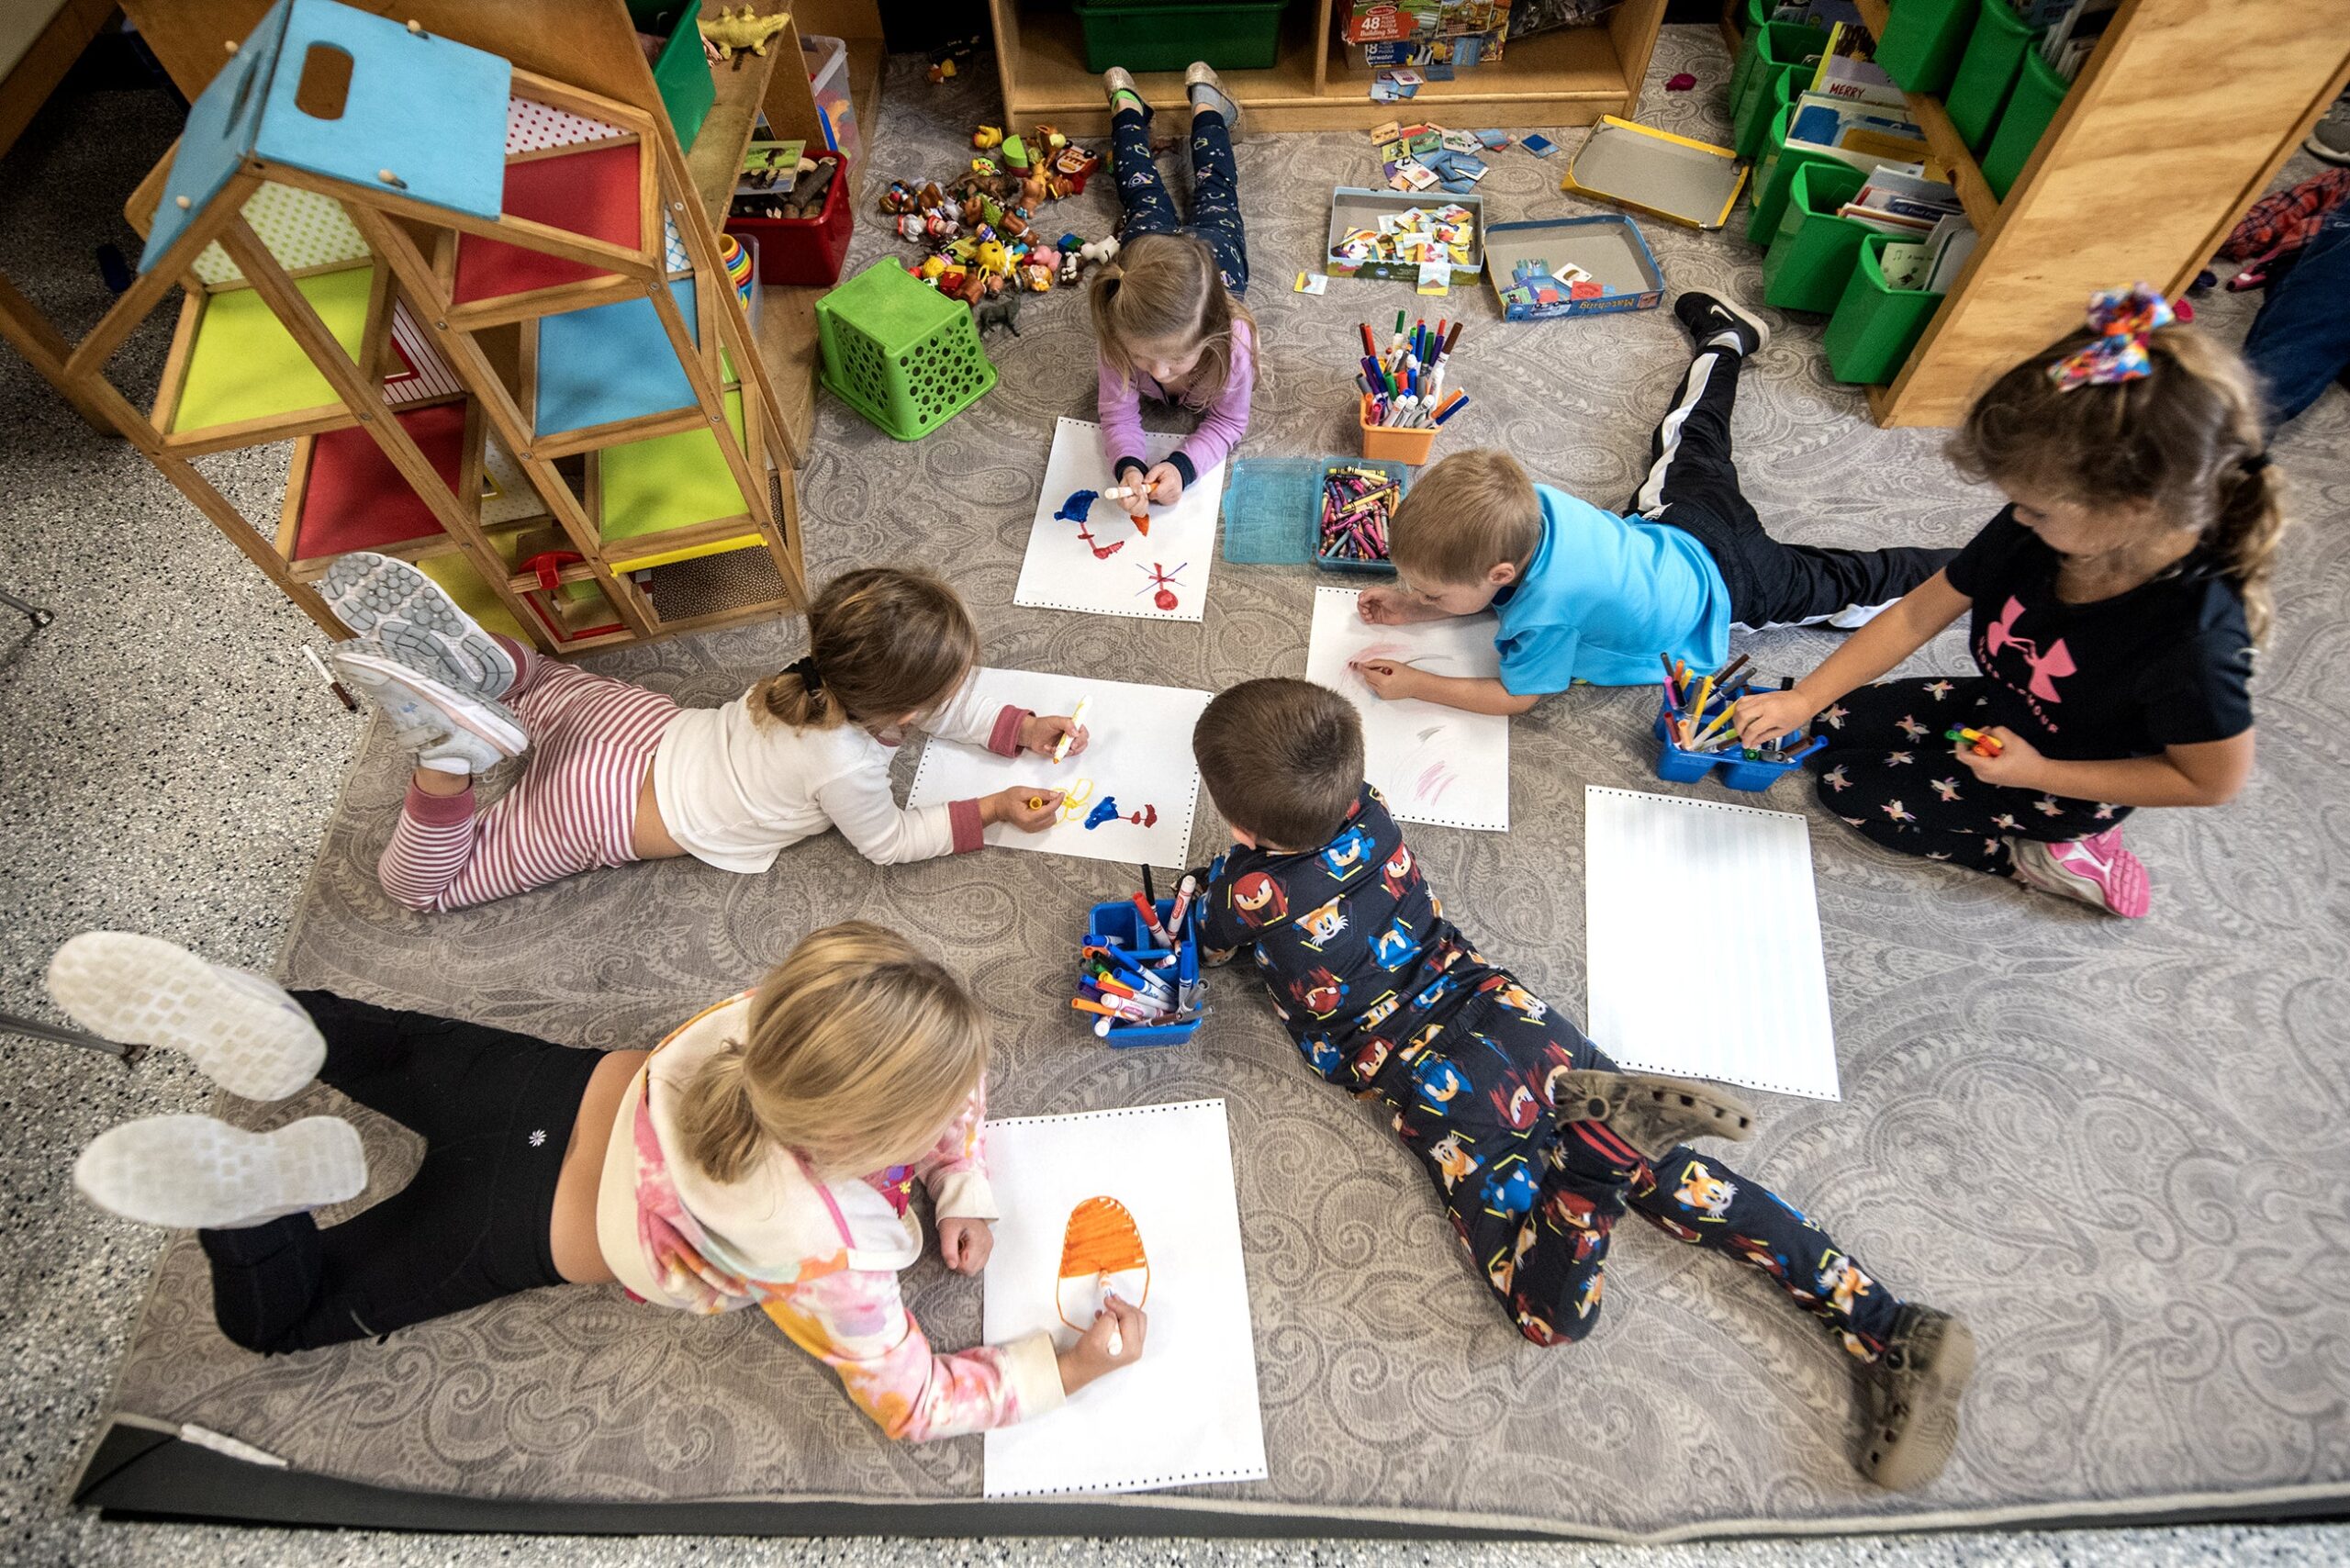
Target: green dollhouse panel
point(670, 481)
point(244, 364)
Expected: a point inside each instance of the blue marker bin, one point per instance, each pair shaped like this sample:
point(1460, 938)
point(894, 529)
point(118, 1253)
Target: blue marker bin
point(1738, 771)
point(1119, 926)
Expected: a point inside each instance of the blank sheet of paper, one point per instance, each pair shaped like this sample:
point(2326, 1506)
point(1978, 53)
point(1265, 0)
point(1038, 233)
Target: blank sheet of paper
point(1104, 564)
point(1135, 772)
point(1434, 764)
point(1692, 909)
point(1185, 1414)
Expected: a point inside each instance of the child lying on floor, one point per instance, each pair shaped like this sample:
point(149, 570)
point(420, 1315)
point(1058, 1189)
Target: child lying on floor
point(1535, 1140)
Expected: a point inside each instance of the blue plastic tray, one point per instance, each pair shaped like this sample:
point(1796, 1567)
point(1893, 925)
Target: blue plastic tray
point(1120, 925)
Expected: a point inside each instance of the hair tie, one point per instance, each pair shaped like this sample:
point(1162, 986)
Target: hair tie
point(804, 668)
point(2123, 319)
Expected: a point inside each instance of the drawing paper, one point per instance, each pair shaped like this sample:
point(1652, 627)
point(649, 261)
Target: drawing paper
point(1139, 754)
point(1184, 1415)
point(1061, 570)
point(1691, 909)
point(1434, 764)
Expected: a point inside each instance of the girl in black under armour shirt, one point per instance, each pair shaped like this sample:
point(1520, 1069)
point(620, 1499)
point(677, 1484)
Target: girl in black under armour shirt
point(2115, 603)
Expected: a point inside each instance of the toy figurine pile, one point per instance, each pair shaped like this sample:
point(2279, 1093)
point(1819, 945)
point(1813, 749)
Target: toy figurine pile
point(979, 230)
point(1417, 235)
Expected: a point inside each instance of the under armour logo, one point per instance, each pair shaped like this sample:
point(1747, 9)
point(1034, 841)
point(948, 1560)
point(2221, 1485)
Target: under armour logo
point(2045, 668)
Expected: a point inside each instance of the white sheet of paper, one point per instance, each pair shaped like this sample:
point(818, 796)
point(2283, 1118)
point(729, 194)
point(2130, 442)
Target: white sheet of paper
point(1434, 764)
point(1186, 1413)
point(1692, 908)
point(1139, 755)
point(1061, 570)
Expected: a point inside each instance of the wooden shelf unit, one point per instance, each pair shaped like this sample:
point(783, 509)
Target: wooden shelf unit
point(2178, 123)
point(1570, 77)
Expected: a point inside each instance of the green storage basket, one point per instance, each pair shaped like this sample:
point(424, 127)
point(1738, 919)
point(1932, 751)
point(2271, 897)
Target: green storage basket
point(899, 353)
point(1775, 179)
point(2039, 91)
point(1812, 257)
point(1923, 40)
point(1773, 44)
point(1232, 35)
point(1978, 90)
point(1875, 325)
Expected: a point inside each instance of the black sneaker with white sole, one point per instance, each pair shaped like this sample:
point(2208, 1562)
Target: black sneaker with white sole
point(1716, 323)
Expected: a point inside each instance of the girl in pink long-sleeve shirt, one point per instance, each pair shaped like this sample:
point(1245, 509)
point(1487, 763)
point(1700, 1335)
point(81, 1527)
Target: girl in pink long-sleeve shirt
point(1170, 329)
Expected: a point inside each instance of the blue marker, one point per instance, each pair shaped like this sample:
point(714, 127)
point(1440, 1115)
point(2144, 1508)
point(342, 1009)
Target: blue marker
point(1187, 976)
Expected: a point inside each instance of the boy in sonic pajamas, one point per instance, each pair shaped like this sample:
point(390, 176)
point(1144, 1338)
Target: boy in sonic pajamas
point(1536, 1142)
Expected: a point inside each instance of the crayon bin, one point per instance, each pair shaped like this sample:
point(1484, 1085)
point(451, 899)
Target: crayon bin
point(1812, 256)
point(1386, 443)
point(1119, 926)
point(1675, 766)
point(1383, 567)
point(1923, 40)
point(1995, 53)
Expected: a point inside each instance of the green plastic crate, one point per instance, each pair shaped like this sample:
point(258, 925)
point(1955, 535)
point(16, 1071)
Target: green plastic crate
point(899, 353)
point(1812, 257)
point(2039, 92)
point(1875, 325)
point(1774, 178)
point(1995, 53)
point(1923, 40)
point(1235, 34)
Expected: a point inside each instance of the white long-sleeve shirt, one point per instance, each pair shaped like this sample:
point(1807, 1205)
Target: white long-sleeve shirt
point(735, 787)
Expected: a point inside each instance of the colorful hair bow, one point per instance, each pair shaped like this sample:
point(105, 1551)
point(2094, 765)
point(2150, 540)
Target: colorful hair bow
point(2122, 318)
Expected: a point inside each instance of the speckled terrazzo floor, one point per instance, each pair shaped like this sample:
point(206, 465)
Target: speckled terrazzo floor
point(167, 763)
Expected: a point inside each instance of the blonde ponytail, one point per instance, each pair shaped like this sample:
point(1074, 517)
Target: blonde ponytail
point(882, 642)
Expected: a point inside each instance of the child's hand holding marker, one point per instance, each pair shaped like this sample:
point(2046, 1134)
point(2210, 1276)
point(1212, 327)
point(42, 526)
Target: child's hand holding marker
point(1764, 716)
point(1999, 756)
point(1043, 734)
point(1115, 1340)
point(1024, 806)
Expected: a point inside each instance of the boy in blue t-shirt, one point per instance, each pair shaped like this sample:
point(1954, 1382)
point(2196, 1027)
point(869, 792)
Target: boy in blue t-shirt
point(1586, 595)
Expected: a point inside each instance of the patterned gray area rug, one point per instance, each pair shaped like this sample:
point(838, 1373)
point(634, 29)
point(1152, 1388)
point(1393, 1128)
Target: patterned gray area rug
point(2118, 1150)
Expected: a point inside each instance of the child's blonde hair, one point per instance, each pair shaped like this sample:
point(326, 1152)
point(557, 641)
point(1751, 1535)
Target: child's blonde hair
point(1465, 516)
point(882, 642)
point(2184, 439)
point(860, 1052)
point(1165, 289)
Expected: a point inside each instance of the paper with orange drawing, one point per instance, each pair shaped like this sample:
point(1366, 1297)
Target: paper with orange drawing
point(1434, 764)
point(1143, 1198)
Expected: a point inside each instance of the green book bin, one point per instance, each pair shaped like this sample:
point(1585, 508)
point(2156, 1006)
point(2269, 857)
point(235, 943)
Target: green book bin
point(1778, 89)
point(1812, 255)
point(1774, 178)
point(2039, 91)
point(1770, 48)
point(1875, 325)
point(1923, 40)
point(1995, 53)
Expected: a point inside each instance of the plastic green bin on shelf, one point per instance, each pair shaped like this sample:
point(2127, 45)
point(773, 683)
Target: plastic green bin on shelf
point(1923, 40)
point(1812, 257)
point(2038, 93)
point(1235, 34)
point(1778, 88)
point(899, 353)
point(1774, 178)
point(1875, 325)
point(1773, 45)
point(1978, 90)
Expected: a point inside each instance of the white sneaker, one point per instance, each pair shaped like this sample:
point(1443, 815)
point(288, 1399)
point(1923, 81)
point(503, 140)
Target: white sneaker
point(407, 615)
point(447, 729)
point(200, 1173)
point(244, 1034)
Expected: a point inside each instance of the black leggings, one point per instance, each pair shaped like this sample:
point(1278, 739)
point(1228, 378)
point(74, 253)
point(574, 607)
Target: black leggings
point(495, 1110)
point(1692, 485)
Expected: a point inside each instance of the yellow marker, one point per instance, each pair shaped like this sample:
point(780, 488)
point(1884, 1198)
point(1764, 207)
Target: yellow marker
point(1077, 720)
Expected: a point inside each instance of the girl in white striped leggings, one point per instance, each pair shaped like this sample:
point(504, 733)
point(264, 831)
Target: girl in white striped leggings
point(619, 773)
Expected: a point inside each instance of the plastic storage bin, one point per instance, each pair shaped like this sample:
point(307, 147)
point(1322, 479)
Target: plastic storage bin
point(1923, 40)
point(1769, 52)
point(1398, 472)
point(1775, 179)
point(2039, 92)
point(1738, 771)
point(1769, 90)
point(1234, 37)
point(1749, 50)
point(1875, 325)
point(1812, 257)
point(1978, 90)
point(1386, 443)
point(1119, 926)
point(828, 80)
point(803, 249)
point(899, 353)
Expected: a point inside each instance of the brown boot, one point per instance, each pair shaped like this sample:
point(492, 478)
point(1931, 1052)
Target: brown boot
point(1913, 1392)
point(1650, 1112)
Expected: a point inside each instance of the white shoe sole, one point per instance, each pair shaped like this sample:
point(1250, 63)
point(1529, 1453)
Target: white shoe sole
point(200, 1173)
point(413, 618)
point(143, 991)
point(1762, 328)
point(480, 717)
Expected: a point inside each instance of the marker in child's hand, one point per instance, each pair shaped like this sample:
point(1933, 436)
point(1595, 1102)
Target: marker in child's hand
point(1125, 492)
point(1117, 1345)
point(1076, 721)
point(1981, 744)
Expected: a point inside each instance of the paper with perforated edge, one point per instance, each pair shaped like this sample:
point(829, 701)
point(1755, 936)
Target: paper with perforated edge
point(1433, 764)
point(1064, 569)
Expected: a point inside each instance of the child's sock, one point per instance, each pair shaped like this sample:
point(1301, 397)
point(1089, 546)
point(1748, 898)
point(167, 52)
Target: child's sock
point(245, 1034)
point(198, 1172)
point(1127, 98)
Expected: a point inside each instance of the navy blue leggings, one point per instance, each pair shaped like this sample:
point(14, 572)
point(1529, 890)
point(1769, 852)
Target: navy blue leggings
point(1215, 190)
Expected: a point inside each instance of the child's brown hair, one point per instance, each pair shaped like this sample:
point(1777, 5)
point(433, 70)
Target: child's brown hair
point(1465, 516)
point(859, 1054)
point(2185, 439)
point(1282, 759)
point(1165, 289)
point(882, 642)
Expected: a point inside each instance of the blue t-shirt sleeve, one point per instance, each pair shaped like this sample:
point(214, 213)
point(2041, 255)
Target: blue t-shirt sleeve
point(1540, 660)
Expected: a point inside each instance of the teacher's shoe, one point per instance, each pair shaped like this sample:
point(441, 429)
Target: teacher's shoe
point(1913, 1391)
point(1651, 1113)
point(200, 1173)
point(244, 1033)
point(2097, 870)
point(409, 616)
point(449, 731)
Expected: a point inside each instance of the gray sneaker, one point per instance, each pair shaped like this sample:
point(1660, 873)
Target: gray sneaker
point(2329, 142)
point(1650, 1112)
point(245, 1034)
point(407, 615)
point(448, 730)
point(1913, 1392)
point(198, 1172)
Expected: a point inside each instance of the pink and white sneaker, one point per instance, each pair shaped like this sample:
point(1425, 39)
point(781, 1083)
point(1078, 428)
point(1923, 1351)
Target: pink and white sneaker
point(2097, 870)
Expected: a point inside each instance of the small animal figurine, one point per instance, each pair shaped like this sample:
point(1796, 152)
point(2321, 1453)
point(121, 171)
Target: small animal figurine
point(733, 30)
point(1049, 138)
point(1035, 189)
point(1068, 268)
point(1002, 310)
point(1096, 251)
point(942, 71)
point(986, 136)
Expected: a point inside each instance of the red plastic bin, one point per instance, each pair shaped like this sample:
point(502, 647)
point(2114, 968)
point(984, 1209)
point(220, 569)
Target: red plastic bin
point(804, 250)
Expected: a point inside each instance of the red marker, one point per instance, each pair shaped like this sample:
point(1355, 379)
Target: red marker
point(1151, 922)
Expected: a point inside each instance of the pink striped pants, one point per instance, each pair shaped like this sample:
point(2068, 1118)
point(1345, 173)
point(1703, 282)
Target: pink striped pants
point(573, 810)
